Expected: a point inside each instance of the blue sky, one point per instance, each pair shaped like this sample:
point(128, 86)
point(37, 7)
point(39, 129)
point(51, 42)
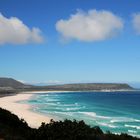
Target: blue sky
point(55, 55)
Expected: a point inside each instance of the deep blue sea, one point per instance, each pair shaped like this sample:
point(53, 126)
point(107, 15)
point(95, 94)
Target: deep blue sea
point(112, 111)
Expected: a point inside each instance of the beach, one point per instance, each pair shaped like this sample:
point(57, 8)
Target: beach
point(33, 119)
point(108, 110)
point(95, 108)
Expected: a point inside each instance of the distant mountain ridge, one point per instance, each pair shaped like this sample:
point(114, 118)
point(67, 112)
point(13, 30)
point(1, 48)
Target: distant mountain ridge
point(90, 86)
point(10, 84)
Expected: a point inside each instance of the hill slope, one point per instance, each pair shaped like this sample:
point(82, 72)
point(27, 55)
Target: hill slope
point(89, 86)
point(9, 84)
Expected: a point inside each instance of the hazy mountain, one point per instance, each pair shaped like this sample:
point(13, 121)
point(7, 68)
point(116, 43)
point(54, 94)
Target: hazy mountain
point(9, 84)
point(12, 84)
point(90, 86)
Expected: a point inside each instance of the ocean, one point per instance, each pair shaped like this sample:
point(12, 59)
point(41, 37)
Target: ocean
point(117, 112)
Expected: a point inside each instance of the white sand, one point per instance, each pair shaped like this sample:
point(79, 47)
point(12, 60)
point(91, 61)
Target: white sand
point(23, 110)
point(31, 92)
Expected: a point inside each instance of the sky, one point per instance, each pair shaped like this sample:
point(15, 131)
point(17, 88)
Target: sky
point(59, 41)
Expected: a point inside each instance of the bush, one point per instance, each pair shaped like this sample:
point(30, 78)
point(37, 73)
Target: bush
point(13, 128)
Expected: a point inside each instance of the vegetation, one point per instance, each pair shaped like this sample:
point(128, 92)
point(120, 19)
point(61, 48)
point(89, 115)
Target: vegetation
point(13, 128)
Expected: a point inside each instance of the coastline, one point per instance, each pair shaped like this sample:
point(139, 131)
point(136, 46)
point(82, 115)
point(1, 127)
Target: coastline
point(23, 111)
point(67, 91)
point(43, 91)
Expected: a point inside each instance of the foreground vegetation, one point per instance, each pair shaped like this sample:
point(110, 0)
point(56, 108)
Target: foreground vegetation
point(13, 128)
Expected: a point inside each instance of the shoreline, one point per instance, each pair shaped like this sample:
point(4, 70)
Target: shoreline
point(66, 91)
point(23, 111)
point(43, 91)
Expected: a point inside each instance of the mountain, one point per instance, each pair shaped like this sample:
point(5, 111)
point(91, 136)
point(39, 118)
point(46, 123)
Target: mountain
point(90, 86)
point(9, 84)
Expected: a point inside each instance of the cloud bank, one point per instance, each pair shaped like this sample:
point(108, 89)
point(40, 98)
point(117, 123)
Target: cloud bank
point(14, 31)
point(136, 22)
point(90, 26)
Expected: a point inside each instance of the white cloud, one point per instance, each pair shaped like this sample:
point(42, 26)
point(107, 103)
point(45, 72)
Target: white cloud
point(49, 82)
point(14, 31)
point(136, 22)
point(22, 81)
point(91, 26)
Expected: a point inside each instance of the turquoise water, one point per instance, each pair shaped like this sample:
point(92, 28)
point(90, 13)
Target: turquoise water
point(114, 111)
